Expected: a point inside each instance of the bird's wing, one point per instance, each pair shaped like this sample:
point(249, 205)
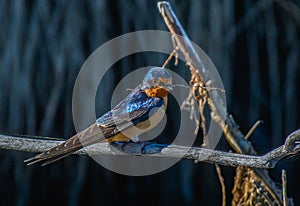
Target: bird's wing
point(132, 110)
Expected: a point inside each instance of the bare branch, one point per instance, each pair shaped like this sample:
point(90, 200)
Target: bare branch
point(200, 74)
point(198, 154)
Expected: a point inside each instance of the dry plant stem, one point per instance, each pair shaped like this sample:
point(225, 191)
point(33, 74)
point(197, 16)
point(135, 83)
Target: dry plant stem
point(231, 130)
point(202, 104)
point(221, 179)
point(257, 123)
point(173, 53)
point(284, 188)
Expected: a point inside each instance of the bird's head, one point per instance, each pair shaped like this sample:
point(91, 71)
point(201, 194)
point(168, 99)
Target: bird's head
point(157, 82)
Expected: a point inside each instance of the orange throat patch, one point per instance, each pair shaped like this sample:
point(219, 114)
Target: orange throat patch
point(157, 92)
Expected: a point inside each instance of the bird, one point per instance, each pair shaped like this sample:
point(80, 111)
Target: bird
point(139, 112)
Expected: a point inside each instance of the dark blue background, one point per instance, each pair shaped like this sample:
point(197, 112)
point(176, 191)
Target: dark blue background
point(43, 44)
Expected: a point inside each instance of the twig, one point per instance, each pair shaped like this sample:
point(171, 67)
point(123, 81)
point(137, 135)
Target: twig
point(257, 123)
point(198, 154)
point(173, 53)
point(221, 179)
point(284, 188)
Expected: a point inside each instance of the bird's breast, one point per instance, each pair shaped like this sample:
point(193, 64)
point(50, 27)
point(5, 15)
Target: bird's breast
point(154, 118)
point(157, 92)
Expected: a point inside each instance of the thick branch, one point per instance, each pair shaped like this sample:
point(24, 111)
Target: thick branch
point(217, 106)
point(218, 110)
point(269, 160)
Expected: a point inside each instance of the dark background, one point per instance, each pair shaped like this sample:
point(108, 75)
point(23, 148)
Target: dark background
point(43, 44)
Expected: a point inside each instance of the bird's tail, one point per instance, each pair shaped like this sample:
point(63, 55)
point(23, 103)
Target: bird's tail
point(87, 137)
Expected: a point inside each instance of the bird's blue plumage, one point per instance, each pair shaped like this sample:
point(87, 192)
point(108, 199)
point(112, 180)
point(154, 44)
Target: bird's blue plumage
point(135, 108)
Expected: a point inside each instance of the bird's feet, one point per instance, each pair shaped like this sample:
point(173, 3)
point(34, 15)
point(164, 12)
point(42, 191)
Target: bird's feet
point(138, 148)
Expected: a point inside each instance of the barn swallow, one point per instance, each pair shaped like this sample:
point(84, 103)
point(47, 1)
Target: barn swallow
point(138, 113)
